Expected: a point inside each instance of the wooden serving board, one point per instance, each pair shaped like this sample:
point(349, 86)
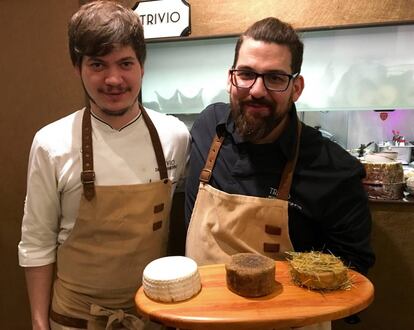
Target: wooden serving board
point(217, 308)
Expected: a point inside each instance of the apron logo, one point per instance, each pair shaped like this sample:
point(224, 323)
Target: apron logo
point(273, 194)
point(296, 206)
point(171, 165)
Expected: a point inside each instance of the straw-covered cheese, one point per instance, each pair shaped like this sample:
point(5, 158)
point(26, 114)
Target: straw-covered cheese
point(319, 271)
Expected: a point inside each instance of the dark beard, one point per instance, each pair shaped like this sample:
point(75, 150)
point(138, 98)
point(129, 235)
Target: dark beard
point(253, 131)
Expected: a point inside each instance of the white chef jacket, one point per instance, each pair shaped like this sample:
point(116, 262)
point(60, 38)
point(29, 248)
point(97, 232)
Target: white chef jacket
point(121, 157)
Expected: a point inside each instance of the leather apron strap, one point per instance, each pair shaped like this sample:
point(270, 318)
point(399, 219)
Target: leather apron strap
point(287, 174)
point(88, 173)
point(211, 159)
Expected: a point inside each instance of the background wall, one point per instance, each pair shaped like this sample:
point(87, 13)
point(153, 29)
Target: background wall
point(38, 86)
point(233, 16)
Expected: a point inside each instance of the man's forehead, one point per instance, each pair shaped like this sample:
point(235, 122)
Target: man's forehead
point(258, 52)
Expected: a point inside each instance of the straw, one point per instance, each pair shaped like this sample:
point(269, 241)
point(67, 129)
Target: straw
point(318, 271)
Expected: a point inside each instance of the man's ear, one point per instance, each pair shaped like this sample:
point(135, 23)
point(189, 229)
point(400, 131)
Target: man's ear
point(228, 82)
point(298, 86)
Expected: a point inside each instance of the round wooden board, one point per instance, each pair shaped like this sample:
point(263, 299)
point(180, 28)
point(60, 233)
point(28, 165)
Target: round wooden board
point(216, 307)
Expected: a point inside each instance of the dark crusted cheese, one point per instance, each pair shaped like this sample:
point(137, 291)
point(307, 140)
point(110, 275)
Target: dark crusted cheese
point(251, 275)
point(383, 173)
point(384, 180)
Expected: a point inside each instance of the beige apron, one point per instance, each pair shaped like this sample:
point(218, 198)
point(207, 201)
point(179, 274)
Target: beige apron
point(223, 224)
point(119, 230)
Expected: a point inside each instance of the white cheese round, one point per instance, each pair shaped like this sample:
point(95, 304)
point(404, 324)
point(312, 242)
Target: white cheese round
point(171, 279)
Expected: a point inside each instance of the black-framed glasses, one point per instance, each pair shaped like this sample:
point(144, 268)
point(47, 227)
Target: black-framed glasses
point(273, 81)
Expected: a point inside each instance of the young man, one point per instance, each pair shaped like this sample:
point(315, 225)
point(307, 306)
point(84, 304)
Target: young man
point(260, 180)
point(100, 183)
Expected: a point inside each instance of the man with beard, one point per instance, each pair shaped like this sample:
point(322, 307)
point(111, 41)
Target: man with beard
point(100, 183)
point(260, 180)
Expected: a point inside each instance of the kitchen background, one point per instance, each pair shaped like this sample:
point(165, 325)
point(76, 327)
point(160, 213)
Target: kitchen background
point(358, 82)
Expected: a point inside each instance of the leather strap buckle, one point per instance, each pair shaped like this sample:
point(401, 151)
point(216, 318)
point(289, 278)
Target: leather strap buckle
point(87, 176)
point(205, 175)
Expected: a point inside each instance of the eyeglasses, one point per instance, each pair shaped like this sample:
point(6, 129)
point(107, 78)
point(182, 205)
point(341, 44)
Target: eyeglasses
point(273, 81)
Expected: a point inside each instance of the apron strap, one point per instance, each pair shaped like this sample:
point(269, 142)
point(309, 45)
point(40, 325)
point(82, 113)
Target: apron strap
point(287, 175)
point(88, 174)
point(206, 172)
point(67, 321)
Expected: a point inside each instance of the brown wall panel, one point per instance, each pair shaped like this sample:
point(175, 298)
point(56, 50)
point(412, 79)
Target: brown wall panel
point(37, 86)
point(223, 17)
point(215, 17)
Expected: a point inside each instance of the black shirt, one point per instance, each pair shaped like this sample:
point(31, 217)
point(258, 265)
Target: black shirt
point(328, 207)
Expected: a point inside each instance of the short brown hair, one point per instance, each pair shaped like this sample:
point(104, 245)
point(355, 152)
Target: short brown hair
point(99, 26)
point(273, 30)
